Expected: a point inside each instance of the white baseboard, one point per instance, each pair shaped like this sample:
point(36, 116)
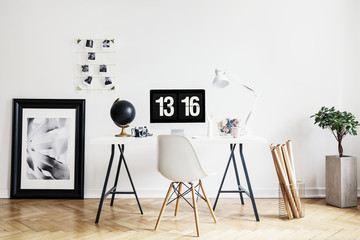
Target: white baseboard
point(259, 193)
point(4, 193)
point(160, 193)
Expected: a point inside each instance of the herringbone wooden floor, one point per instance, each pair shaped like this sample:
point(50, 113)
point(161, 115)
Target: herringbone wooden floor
point(74, 219)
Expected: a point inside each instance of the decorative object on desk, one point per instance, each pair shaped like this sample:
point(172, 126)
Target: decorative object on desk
point(285, 168)
point(48, 148)
point(221, 80)
point(210, 125)
point(341, 173)
point(237, 132)
point(122, 113)
point(140, 132)
point(227, 125)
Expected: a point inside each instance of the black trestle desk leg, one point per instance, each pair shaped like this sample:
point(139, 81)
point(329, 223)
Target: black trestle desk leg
point(223, 179)
point(116, 179)
point(105, 184)
point(236, 173)
point(127, 170)
point(248, 183)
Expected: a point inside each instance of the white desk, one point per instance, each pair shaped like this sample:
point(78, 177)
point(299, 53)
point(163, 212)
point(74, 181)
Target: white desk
point(121, 141)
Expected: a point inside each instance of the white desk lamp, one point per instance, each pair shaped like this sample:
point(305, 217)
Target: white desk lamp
point(221, 80)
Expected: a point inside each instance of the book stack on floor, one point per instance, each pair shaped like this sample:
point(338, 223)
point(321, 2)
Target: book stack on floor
point(284, 164)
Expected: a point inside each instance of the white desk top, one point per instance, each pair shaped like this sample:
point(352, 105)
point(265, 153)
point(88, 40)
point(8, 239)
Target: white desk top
point(194, 139)
point(122, 140)
point(228, 139)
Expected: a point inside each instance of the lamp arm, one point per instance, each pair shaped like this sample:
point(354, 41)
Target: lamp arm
point(250, 89)
point(237, 79)
point(252, 109)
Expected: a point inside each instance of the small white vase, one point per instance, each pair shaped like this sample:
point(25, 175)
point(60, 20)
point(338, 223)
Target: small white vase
point(210, 125)
point(236, 132)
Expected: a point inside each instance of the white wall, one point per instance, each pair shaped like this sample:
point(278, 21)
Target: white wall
point(299, 55)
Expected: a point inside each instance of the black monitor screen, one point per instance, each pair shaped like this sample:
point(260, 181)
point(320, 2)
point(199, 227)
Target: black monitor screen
point(177, 105)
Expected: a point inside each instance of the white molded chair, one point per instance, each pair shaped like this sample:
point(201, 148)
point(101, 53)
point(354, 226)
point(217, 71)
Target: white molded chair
point(178, 162)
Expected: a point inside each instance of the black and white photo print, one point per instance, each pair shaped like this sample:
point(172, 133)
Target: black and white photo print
point(103, 68)
point(89, 43)
point(91, 56)
point(47, 152)
point(88, 80)
point(106, 43)
point(85, 68)
point(107, 81)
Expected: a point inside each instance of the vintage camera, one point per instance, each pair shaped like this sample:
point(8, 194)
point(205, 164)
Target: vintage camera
point(140, 132)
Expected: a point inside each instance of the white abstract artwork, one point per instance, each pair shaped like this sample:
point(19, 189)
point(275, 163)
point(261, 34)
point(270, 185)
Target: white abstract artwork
point(48, 149)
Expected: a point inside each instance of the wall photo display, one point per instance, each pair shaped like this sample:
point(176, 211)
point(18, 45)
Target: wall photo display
point(48, 148)
point(95, 64)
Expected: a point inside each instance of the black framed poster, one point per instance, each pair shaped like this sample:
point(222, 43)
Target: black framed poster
point(177, 105)
point(48, 148)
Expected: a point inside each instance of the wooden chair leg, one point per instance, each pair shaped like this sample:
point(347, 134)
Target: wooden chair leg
point(164, 205)
point(195, 210)
point(178, 198)
point(207, 201)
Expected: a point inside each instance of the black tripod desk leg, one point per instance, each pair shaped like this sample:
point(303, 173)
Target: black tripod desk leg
point(236, 173)
point(128, 172)
point(105, 183)
point(117, 176)
point(248, 183)
point(222, 181)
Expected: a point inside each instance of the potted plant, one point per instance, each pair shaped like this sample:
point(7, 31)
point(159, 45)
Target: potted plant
point(341, 179)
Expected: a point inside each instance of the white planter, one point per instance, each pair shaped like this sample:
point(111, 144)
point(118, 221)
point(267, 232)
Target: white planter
point(341, 181)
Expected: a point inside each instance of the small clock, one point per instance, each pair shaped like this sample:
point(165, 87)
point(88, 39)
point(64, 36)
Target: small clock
point(177, 105)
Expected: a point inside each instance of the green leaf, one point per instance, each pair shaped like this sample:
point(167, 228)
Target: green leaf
point(340, 123)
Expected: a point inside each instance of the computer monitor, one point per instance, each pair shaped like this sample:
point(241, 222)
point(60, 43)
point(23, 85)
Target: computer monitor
point(177, 108)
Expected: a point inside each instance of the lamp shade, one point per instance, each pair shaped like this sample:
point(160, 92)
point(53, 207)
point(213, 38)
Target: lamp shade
point(220, 80)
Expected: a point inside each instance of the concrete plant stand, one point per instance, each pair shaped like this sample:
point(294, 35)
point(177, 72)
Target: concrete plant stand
point(341, 181)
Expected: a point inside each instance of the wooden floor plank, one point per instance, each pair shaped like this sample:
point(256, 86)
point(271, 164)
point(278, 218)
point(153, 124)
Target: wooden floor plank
point(74, 219)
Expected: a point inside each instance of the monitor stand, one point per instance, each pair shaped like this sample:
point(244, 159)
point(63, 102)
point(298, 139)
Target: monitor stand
point(177, 132)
